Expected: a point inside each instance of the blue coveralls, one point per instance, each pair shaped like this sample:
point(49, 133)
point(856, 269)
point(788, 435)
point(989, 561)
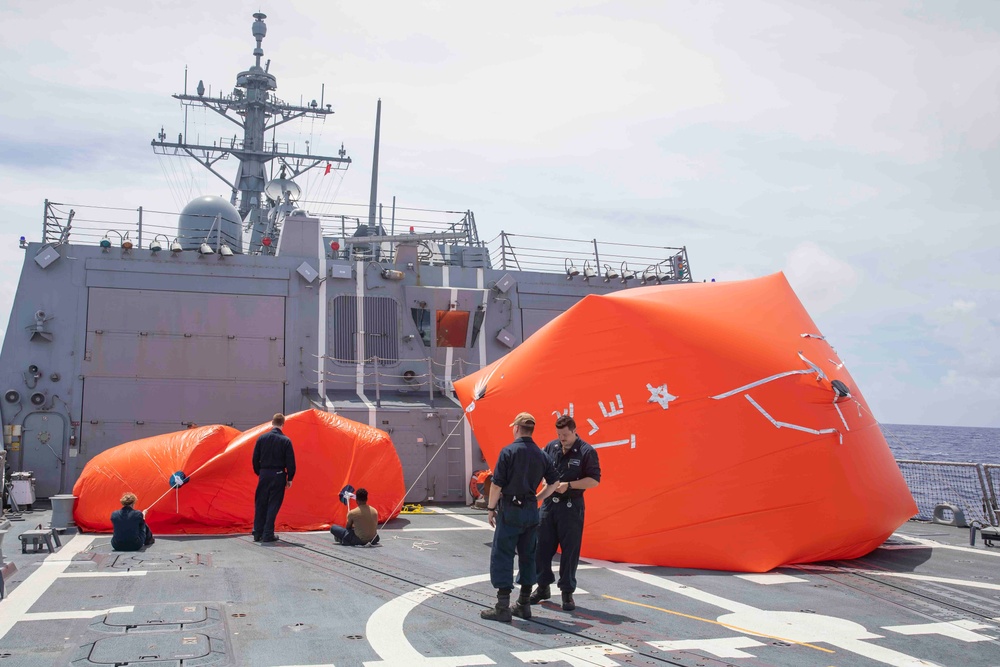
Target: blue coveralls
point(520, 468)
point(130, 530)
point(561, 522)
point(274, 464)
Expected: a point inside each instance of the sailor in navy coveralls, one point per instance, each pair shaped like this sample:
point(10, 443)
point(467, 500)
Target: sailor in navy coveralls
point(561, 523)
point(274, 465)
point(513, 511)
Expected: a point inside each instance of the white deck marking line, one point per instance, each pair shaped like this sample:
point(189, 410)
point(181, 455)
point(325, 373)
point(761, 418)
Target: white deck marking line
point(941, 545)
point(797, 626)
point(594, 655)
point(726, 647)
point(462, 517)
point(960, 630)
point(771, 579)
point(68, 615)
point(85, 575)
point(20, 600)
point(441, 530)
point(387, 638)
point(939, 580)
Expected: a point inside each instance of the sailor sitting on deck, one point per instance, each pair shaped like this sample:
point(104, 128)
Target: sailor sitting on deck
point(131, 532)
point(362, 524)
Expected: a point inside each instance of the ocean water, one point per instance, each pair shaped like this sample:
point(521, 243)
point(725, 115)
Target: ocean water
point(943, 443)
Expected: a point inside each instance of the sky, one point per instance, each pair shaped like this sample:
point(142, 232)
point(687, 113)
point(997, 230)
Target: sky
point(853, 145)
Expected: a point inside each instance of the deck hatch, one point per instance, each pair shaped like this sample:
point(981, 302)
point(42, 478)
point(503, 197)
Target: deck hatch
point(174, 649)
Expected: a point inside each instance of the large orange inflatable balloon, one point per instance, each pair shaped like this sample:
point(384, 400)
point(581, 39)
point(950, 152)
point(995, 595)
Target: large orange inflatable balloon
point(218, 494)
point(731, 436)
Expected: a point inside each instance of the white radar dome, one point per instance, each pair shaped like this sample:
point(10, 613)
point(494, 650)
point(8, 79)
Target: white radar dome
point(197, 224)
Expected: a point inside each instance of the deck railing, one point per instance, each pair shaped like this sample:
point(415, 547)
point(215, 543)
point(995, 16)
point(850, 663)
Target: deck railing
point(970, 487)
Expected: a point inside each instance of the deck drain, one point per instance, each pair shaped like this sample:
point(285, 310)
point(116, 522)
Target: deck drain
point(807, 611)
point(5, 655)
point(97, 596)
point(647, 595)
point(355, 636)
point(237, 615)
point(780, 644)
point(317, 590)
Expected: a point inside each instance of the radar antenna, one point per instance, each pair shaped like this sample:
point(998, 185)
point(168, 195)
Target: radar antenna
point(253, 107)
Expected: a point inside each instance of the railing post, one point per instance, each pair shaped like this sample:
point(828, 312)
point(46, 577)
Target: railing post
point(378, 385)
point(430, 378)
point(45, 219)
point(597, 258)
point(140, 227)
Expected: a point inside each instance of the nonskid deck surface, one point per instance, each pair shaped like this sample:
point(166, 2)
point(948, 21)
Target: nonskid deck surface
point(926, 598)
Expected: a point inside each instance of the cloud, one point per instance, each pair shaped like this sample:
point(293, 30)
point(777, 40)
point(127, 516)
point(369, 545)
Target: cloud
point(820, 280)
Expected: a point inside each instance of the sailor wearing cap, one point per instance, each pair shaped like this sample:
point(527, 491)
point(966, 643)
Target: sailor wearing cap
point(513, 511)
point(561, 524)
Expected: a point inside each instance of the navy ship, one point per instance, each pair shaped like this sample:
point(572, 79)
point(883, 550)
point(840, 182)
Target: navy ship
point(129, 323)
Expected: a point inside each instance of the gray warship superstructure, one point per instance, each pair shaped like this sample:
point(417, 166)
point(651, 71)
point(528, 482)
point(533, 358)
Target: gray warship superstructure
point(129, 323)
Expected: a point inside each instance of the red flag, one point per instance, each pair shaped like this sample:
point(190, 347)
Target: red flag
point(327, 169)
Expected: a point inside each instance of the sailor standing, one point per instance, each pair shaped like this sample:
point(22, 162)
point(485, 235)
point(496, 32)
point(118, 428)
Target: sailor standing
point(513, 511)
point(274, 465)
point(561, 523)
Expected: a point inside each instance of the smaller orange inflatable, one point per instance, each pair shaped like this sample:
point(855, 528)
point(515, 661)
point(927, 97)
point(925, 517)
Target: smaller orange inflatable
point(217, 494)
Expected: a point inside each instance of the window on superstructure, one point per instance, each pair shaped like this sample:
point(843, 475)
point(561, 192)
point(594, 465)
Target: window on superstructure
point(452, 328)
point(422, 318)
point(477, 324)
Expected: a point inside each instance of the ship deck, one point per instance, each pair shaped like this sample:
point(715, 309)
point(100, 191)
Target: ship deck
point(924, 598)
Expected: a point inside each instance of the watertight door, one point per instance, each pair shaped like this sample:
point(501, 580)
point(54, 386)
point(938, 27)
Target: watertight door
point(414, 452)
point(42, 443)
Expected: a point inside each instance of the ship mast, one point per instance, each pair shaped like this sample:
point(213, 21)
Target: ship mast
point(253, 107)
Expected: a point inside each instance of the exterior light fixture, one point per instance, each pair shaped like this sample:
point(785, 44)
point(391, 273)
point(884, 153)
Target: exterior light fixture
point(155, 246)
point(662, 275)
point(627, 274)
point(649, 275)
point(266, 241)
point(570, 269)
point(588, 270)
point(206, 249)
point(225, 250)
point(176, 246)
point(609, 273)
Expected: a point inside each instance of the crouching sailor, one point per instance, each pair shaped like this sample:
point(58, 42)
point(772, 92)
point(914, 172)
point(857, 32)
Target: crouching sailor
point(362, 524)
point(513, 511)
point(131, 532)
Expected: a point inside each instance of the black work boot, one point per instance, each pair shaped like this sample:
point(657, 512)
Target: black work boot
point(522, 608)
point(500, 612)
point(568, 604)
point(541, 593)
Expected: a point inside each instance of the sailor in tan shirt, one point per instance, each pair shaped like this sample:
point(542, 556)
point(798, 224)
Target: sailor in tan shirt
point(362, 524)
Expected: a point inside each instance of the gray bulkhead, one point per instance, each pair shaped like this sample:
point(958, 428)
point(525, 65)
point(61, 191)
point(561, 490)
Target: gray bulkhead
point(127, 344)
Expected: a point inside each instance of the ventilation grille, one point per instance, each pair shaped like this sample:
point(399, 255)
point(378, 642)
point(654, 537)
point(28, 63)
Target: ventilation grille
point(381, 329)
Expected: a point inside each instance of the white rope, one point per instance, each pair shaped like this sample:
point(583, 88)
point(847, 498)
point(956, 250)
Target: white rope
point(440, 447)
